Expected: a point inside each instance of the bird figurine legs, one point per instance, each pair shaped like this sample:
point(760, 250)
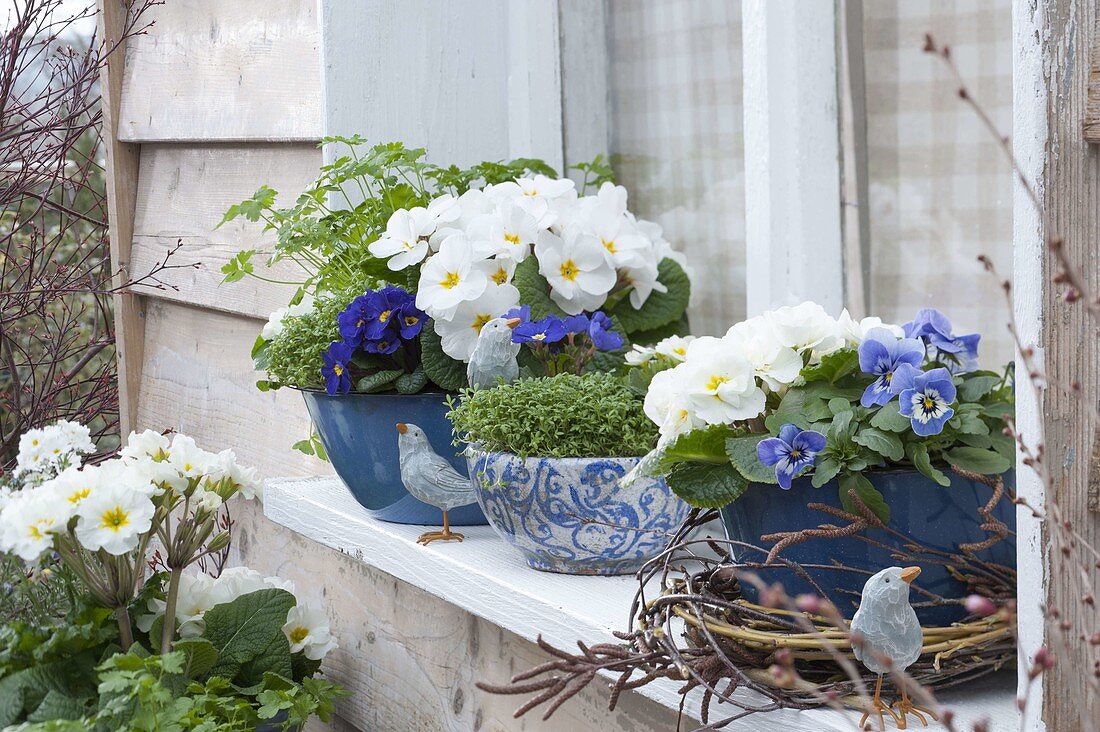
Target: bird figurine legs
point(905, 706)
point(446, 535)
point(881, 708)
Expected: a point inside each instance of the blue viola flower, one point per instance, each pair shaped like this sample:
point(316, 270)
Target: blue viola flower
point(791, 453)
point(960, 353)
point(925, 397)
point(601, 333)
point(335, 369)
point(546, 331)
point(576, 324)
point(880, 355)
point(352, 322)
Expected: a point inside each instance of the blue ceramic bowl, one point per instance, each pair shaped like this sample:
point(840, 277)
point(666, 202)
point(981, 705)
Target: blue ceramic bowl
point(359, 434)
point(939, 517)
point(572, 515)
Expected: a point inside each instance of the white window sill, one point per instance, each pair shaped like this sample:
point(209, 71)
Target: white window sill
point(485, 577)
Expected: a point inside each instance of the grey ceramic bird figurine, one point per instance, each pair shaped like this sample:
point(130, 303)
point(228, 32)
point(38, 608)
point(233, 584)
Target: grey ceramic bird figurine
point(494, 356)
point(430, 478)
point(891, 637)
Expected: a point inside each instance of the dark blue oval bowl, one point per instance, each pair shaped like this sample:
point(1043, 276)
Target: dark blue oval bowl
point(939, 517)
point(360, 435)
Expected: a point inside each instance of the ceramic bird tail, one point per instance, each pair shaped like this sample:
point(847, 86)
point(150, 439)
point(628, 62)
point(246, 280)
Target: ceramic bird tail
point(889, 638)
point(495, 355)
point(430, 478)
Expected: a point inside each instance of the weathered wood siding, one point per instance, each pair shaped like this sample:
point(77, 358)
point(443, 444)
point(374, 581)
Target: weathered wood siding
point(214, 101)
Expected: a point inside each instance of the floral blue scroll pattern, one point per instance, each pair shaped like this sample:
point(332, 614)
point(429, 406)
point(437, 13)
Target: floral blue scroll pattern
point(573, 515)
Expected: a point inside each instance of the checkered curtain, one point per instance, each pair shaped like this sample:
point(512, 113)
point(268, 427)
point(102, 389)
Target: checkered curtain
point(677, 142)
point(940, 193)
point(940, 190)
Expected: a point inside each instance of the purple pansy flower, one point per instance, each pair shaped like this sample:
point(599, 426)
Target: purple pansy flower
point(791, 453)
point(335, 369)
point(959, 352)
point(601, 333)
point(880, 354)
point(546, 331)
point(924, 397)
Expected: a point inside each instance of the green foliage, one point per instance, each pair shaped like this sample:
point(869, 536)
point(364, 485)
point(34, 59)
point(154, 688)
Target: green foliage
point(596, 173)
point(592, 415)
point(445, 372)
point(294, 357)
point(660, 308)
point(706, 485)
point(248, 638)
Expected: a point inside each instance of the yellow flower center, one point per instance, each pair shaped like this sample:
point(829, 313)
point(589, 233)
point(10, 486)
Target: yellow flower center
point(359, 323)
point(609, 245)
point(538, 337)
point(512, 239)
point(114, 519)
point(796, 454)
point(480, 321)
point(451, 281)
point(411, 320)
point(531, 193)
point(929, 404)
point(680, 351)
point(716, 381)
point(384, 316)
point(500, 276)
point(79, 495)
point(338, 369)
point(569, 270)
point(298, 634)
point(34, 442)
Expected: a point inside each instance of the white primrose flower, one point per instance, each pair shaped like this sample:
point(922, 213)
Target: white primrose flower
point(405, 242)
point(805, 327)
point(30, 521)
point(720, 382)
point(450, 278)
point(113, 518)
point(308, 631)
point(196, 596)
point(772, 362)
point(674, 347)
point(641, 275)
point(580, 276)
point(149, 444)
point(471, 204)
point(190, 460)
point(34, 452)
point(459, 334)
point(509, 231)
point(73, 485)
point(622, 243)
point(639, 355)
point(668, 404)
point(77, 436)
point(854, 331)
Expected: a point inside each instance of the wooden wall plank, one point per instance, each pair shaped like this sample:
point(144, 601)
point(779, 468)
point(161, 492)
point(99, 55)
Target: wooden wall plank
point(197, 378)
point(411, 659)
point(241, 70)
point(184, 193)
point(122, 182)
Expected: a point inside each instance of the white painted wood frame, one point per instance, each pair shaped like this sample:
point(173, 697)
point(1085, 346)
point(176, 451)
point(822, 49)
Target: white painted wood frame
point(792, 154)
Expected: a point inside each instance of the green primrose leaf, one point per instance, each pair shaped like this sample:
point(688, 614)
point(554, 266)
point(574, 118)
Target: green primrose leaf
point(412, 383)
point(707, 485)
point(867, 494)
point(378, 381)
point(833, 366)
point(445, 372)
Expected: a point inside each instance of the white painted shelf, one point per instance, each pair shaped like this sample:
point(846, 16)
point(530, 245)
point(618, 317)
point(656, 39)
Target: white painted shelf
point(485, 577)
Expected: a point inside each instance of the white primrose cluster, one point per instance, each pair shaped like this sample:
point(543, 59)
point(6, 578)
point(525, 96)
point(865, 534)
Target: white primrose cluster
point(111, 506)
point(468, 249)
point(306, 627)
point(727, 379)
point(46, 451)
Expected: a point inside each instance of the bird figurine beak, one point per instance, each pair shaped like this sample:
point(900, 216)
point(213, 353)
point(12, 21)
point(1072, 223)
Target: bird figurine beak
point(909, 574)
point(512, 322)
point(402, 428)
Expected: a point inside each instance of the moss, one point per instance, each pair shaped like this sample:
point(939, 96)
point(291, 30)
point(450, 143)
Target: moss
point(594, 415)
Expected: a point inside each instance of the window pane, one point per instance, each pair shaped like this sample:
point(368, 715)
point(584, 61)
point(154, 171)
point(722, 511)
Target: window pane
point(676, 138)
point(940, 189)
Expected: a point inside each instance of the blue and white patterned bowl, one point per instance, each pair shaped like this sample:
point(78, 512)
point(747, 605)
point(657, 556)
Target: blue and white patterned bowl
point(571, 515)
